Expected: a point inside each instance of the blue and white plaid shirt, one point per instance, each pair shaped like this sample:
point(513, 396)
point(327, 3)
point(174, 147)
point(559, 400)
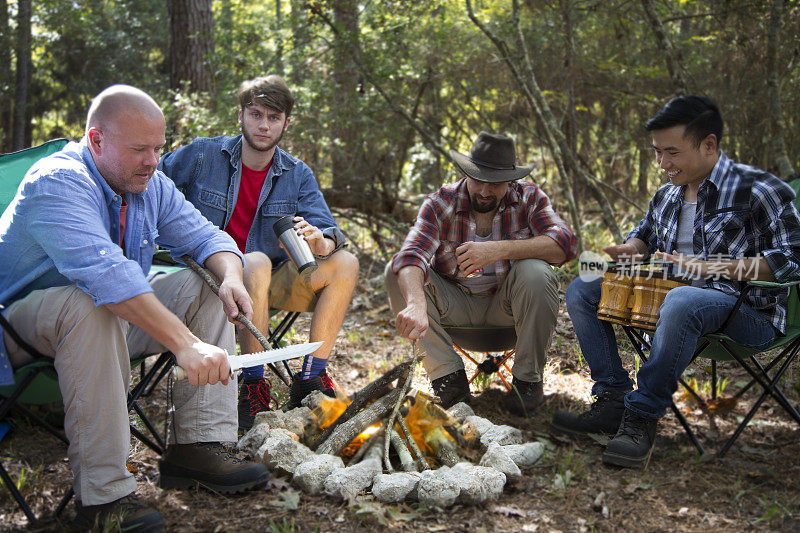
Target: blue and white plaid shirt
point(742, 211)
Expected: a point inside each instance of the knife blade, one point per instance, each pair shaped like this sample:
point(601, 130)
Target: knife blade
point(238, 362)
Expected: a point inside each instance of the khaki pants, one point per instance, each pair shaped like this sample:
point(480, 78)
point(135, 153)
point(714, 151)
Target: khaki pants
point(92, 349)
point(527, 299)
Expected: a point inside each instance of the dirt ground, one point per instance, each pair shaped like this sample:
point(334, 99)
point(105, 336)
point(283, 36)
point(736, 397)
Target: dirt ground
point(756, 486)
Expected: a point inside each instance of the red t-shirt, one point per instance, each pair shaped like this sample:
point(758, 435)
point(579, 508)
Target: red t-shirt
point(246, 203)
point(123, 215)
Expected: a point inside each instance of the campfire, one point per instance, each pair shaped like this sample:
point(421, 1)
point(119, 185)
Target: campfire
point(391, 438)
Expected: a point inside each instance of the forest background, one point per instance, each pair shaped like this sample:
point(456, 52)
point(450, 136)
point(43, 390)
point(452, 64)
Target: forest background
point(385, 87)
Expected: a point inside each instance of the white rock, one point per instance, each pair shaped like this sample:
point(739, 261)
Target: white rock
point(313, 400)
point(348, 482)
point(475, 425)
point(393, 488)
point(502, 435)
point(461, 410)
point(254, 438)
point(478, 483)
point(438, 488)
point(310, 475)
point(496, 457)
point(524, 454)
point(273, 418)
point(298, 420)
point(282, 452)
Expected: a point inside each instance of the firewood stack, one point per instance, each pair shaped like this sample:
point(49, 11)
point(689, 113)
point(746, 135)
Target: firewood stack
point(385, 427)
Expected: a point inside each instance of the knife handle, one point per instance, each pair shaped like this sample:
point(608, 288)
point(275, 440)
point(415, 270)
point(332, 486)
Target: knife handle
point(179, 373)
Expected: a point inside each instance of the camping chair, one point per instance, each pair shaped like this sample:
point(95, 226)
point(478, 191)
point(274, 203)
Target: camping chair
point(719, 347)
point(486, 339)
point(36, 383)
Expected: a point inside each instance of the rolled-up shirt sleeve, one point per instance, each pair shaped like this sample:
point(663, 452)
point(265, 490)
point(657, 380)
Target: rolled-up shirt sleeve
point(645, 229)
point(780, 243)
point(544, 220)
point(74, 237)
point(421, 242)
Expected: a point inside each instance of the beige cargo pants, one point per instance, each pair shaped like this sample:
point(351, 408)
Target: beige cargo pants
point(92, 348)
point(527, 299)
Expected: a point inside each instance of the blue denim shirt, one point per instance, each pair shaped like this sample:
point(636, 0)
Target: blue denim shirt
point(209, 171)
point(62, 228)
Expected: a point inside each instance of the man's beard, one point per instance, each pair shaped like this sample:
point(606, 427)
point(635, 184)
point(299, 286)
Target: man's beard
point(482, 208)
point(261, 148)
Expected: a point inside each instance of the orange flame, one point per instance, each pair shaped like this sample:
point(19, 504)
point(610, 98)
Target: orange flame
point(329, 410)
point(425, 422)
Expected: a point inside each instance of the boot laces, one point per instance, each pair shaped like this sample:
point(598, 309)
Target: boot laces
point(220, 449)
point(633, 425)
point(259, 396)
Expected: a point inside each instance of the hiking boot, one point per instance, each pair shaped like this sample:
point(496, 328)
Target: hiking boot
point(604, 416)
point(633, 443)
point(524, 398)
point(303, 387)
point(452, 389)
point(126, 514)
point(254, 397)
point(211, 465)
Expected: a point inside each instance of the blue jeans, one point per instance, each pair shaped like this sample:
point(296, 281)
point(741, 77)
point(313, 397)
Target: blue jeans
point(686, 314)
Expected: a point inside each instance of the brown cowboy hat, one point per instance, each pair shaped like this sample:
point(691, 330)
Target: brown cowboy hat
point(492, 159)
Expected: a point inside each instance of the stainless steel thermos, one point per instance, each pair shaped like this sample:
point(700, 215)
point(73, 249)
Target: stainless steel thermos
point(295, 246)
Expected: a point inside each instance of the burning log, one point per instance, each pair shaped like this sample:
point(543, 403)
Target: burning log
point(372, 391)
point(347, 431)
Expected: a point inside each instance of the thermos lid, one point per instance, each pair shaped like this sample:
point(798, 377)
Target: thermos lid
point(282, 224)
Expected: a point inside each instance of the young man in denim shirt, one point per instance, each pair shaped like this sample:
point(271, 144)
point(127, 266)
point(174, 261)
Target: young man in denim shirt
point(75, 250)
point(729, 223)
point(244, 184)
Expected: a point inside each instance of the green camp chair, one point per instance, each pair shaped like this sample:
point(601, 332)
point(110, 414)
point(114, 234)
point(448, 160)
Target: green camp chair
point(719, 347)
point(37, 383)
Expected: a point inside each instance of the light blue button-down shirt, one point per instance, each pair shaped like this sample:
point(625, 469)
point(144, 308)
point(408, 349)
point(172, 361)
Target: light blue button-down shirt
point(62, 228)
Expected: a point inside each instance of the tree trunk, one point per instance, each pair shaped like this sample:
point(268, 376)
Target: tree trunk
point(300, 38)
point(784, 164)
point(347, 157)
point(278, 39)
point(23, 74)
point(191, 25)
point(676, 73)
point(6, 80)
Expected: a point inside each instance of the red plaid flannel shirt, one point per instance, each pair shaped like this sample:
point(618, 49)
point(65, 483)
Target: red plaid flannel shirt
point(445, 221)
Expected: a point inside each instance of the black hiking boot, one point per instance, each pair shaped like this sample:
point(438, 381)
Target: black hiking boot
point(524, 399)
point(633, 443)
point(126, 514)
point(452, 389)
point(604, 416)
point(301, 388)
point(254, 397)
point(211, 465)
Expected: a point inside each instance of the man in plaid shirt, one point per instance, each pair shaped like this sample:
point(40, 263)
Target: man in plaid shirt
point(721, 222)
point(480, 254)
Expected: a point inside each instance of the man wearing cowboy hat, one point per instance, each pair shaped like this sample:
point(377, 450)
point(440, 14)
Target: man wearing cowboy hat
point(480, 254)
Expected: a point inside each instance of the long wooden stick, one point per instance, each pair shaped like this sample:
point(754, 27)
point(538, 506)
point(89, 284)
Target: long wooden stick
point(390, 424)
point(211, 282)
point(423, 462)
point(373, 390)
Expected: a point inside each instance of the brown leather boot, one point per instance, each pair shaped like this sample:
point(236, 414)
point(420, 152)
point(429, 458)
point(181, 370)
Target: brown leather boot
point(211, 465)
point(524, 399)
point(126, 514)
